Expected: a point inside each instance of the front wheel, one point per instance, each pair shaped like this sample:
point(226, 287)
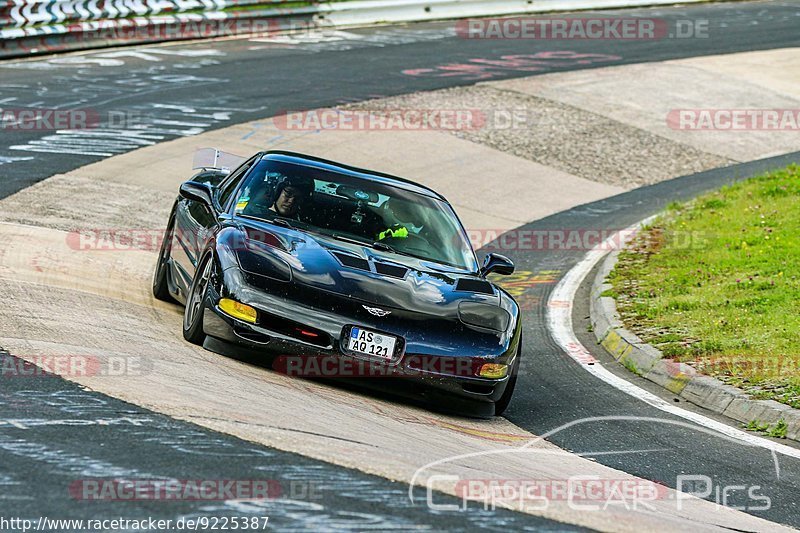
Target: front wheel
point(195, 303)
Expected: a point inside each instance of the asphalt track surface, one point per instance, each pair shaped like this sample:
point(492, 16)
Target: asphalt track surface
point(42, 451)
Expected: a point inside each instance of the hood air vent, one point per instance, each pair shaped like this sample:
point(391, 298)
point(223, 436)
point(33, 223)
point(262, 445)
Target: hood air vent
point(474, 285)
point(391, 270)
point(352, 261)
point(385, 269)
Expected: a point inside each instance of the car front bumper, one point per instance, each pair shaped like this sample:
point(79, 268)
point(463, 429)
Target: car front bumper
point(444, 381)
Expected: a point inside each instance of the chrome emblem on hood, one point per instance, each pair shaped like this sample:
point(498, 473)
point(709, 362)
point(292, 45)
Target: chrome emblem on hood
point(376, 311)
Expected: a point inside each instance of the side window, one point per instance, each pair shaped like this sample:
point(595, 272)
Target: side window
point(256, 193)
point(230, 184)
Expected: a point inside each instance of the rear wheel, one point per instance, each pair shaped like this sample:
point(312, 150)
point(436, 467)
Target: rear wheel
point(501, 405)
point(160, 283)
point(195, 302)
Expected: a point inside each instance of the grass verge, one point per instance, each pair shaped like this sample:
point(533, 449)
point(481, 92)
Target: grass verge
point(715, 283)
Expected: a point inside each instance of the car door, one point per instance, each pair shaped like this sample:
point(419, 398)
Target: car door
point(195, 224)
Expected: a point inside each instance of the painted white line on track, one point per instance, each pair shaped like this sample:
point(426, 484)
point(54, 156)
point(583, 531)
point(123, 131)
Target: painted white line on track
point(559, 321)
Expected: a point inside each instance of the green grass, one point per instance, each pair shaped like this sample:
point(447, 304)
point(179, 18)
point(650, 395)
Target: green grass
point(756, 426)
point(716, 282)
point(777, 431)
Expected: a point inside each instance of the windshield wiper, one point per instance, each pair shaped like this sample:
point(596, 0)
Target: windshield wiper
point(383, 246)
point(375, 245)
point(278, 221)
point(351, 240)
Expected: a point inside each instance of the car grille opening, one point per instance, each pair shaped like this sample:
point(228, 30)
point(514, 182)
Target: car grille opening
point(477, 388)
point(250, 335)
point(293, 329)
point(474, 285)
point(394, 271)
point(352, 261)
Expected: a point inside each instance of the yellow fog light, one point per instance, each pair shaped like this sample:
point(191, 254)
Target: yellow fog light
point(238, 310)
point(493, 371)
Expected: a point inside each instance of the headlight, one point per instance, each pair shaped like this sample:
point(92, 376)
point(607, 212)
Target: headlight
point(238, 310)
point(493, 371)
point(483, 315)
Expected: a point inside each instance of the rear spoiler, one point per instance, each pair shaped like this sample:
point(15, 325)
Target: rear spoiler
point(213, 159)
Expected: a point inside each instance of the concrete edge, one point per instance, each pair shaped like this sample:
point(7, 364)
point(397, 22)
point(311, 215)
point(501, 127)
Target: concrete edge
point(678, 378)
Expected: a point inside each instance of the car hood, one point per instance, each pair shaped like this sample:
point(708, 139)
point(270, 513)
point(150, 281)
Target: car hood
point(358, 272)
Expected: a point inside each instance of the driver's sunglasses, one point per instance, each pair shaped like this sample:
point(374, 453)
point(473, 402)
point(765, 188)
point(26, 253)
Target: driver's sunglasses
point(292, 193)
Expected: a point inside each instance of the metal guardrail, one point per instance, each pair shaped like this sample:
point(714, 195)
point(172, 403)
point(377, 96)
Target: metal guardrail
point(28, 13)
point(84, 25)
point(30, 27)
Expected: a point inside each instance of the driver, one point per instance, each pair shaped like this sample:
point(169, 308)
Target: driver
point(289, 193)
point(402, 218)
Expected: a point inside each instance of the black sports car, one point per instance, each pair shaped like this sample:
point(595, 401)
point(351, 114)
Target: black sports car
point(342, 272)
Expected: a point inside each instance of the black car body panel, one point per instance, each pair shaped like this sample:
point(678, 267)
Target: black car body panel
point(310, 289)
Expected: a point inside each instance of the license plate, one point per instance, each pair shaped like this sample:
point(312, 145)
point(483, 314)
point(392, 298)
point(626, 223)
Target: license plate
point(368, 342)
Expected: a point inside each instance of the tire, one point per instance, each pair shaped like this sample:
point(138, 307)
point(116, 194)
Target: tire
point(195, 302)
point(160, 283)
point(501, 405)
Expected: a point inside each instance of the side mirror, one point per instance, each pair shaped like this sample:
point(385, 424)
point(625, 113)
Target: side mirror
point(499, 264)
point(198, 192)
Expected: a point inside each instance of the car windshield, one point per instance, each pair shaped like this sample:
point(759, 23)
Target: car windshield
point(349, 208)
